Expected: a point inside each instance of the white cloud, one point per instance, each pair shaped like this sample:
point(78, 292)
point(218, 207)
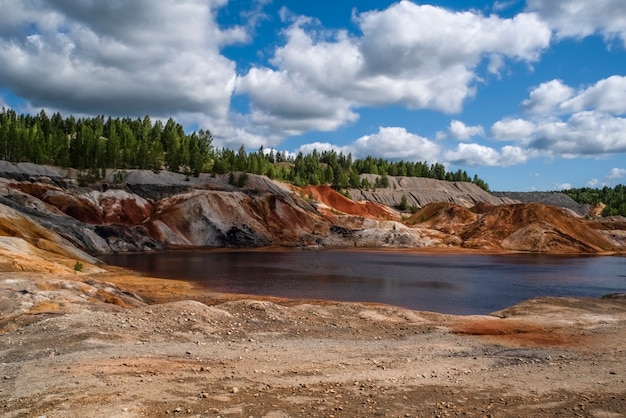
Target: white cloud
point(321, 147)
point(617, 173)
point(547, 97)
point(503, 5)
point(570, 123)
point(555, 97)
point(396, 143)
point(406, 55)
point(581, 18)
point(232, 132)
point(414, 36)
point(118, 58)
point(584, 133)
point(461, 131)
point(496, 63)
point(520, 130)
point(607, 95)
point(477, 154)
point(289, 106)
point(563, 186)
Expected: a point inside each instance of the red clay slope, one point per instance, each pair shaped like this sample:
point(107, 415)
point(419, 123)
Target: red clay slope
point(338, 202)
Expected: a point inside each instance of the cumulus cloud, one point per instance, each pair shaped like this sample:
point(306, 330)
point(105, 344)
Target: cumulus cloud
point(555, 97)
point(289, 106)
point(477, 154)
point(607, 95)
point(617, 173)
point(513, 130)
point(164, 58)
point(396, 143)
point(547, 97)
point(563, 121)
point(584, 133)
point(118, 58)
point(405, 55)
point(503, 5)
point(461, 131)
point(581, 18)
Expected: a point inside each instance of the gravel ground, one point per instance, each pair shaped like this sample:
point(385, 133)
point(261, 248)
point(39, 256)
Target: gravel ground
point(114, 345)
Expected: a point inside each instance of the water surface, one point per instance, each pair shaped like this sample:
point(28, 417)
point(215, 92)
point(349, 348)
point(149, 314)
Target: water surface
point(447, 283)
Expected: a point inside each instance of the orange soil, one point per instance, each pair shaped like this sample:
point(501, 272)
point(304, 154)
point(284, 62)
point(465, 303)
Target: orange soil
point(337, 201)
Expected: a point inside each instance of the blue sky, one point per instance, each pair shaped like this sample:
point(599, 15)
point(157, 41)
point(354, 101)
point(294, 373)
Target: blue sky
point(529, 95)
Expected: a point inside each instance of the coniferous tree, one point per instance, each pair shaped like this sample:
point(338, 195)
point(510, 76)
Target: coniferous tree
point(96, 143)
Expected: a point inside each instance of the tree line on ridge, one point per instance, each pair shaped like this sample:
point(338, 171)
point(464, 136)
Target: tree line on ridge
point(93, 144)
point(613, 197)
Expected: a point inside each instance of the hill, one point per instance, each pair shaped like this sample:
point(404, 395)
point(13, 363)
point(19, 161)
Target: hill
point(420, 191)
point(547, 198)
point(530, 227)
point(139, 210)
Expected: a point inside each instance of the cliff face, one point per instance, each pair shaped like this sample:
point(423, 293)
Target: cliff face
point(143, 210)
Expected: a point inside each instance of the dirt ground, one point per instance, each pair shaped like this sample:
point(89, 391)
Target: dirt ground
point(104, 343)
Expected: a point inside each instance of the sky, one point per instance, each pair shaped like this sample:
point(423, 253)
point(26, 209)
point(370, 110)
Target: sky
point(528, 95)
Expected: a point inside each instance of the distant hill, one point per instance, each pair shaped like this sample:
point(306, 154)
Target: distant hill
point(420, 191)
point(547, 198)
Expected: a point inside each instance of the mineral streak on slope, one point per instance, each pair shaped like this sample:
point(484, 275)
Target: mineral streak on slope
point(333, 200)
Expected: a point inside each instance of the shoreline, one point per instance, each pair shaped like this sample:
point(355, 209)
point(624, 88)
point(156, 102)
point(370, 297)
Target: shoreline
point(417, 250)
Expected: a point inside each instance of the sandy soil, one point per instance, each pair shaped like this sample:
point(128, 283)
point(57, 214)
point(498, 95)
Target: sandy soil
point(110, 344)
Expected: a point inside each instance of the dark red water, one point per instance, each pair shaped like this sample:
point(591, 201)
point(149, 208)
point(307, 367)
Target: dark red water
point(458, 284)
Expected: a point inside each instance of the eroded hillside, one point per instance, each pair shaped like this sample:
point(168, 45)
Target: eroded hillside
point(530, 227)
point(143, 210)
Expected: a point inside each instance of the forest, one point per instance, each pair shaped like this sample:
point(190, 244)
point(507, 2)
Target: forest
point(94, 144)
point(613, 197)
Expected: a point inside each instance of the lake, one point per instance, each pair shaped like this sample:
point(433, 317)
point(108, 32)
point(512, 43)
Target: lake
point(446, 283)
